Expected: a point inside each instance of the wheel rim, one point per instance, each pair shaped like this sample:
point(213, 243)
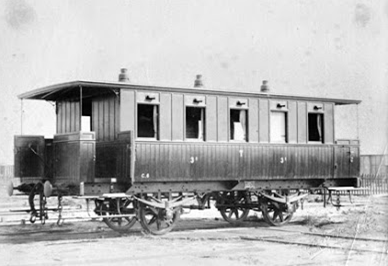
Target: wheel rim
point(275, 213)
point(157, 221)
point(119, 224)
point(234, 213)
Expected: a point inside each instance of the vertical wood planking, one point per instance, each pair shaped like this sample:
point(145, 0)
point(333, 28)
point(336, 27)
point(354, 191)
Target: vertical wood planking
point(328, 126)
point(77, 116)
point(67, 117)
point(253, 122)
point(100, 110)
point(172, 161)
point(117, 115)
point(106, 124)
point(112, 115)
point(95, 118)
point(211, 119)
point(59, 117)
point(222, 119)
point(165, 116)
point(177, 117)
point(302, 122)
point(264, 121)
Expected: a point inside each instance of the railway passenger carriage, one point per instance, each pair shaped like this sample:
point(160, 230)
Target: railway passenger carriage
point(146, 152)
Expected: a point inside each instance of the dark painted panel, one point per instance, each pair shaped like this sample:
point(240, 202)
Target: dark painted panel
point(165, 116)
point(264, 120)
point(211, 118)
point(28, 158)
point(237, 161)
point(302, 122)
point(177, 117)
point(222, 119)
point(111, 118)
point(328, 127)
point(113, 158)
point(354, 161)
point(74, 158)
point(253, 122)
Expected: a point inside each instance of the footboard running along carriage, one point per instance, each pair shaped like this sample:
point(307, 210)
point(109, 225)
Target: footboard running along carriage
point(146, 152)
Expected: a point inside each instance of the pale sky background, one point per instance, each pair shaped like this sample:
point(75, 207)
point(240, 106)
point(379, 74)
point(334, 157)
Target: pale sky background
point(324, 48)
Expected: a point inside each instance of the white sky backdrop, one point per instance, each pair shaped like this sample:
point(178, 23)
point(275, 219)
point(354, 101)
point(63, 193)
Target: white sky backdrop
point(325, 48)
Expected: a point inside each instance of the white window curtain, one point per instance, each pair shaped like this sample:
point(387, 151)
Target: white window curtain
point(319, 126)
point(155, 121)
point(240, 128)
point(200, 125)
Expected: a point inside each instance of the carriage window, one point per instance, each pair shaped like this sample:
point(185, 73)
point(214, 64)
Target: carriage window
point(315, 127)
point(279, 127)
point(195, 123)
point(238, 125)
point(147, 121)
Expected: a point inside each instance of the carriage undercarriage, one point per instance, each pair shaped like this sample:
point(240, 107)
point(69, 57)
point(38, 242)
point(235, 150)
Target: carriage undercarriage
point(159, 212)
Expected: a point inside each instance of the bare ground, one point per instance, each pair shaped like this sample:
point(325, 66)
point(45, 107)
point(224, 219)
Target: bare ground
point(356, 234)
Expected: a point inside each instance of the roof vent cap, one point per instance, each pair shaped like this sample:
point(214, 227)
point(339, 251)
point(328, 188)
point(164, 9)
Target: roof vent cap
point(264, 86)
point(198, 82)
point(123, 76)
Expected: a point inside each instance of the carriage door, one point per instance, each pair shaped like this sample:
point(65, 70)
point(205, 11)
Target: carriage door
point(29, 158)
point(347, 161)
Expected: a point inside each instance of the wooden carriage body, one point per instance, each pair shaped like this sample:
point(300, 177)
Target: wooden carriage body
point(118, 137)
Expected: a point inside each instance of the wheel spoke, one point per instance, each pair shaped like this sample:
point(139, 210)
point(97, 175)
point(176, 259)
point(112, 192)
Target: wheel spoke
point(281, 216)
point(158, 224)
point(236, 212)
point(275, 214)
point(232, 206)
point(152, 220)
point(155, 220)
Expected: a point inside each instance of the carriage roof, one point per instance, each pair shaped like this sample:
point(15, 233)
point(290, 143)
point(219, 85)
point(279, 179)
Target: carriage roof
point(94, 88)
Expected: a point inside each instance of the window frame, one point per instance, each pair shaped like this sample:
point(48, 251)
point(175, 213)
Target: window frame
point(203, 114)
point(246, 136)
point(322, 114)
point(196, 101)
point(157, 134)
point(286, 138)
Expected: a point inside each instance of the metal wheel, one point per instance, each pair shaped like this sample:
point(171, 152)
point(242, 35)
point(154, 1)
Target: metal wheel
point(158, 221)
point(231, 206)
point(275, 213)
point(117, 207)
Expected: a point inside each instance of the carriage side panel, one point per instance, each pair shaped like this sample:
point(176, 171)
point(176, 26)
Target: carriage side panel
point(177, 117)
point(165, 116)
point(292, 122)
point(329, 123)
point(161, 162)
point(222, 119)
point(264, 120)
point(253, 122)
point(127, 110)
point(211, 118)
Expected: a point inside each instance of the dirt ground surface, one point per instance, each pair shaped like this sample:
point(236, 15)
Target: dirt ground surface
point(357, 234)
